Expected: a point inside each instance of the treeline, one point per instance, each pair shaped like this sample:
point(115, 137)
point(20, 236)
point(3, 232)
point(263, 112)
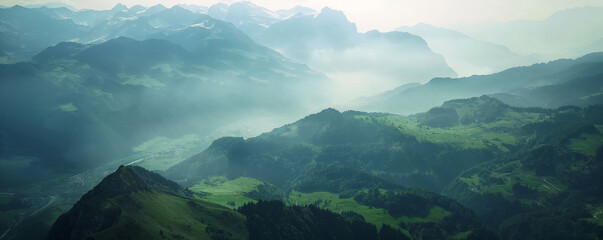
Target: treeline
point(418, 203)
point(274, 220)
point(528, 211)
point(398, 201)
point(336, 178)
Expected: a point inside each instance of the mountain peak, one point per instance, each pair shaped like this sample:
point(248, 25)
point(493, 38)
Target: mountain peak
point(301, 9)
point(218, 10)
point(121, 39)
point(484, 100)
point(130, 179)
point(244, 3)
point(328, 114)
point(17, 7)
point(482, 109)
point(119, 7)
point(330, 13)
point(226, 142)
point(156, 8)
point(178, 8)
point(335, 19)
point(61, 50)
point(112, 202)
point(137, 8)
point(121, 182)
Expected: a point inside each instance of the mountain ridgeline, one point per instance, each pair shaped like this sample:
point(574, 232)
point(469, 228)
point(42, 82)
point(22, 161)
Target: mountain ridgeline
point(547, 85)
point(134, 203)
point(89, 103)
point(206, 111)
point(466, 55)
point(378, 61)
point(327, 41)
point(479, 150)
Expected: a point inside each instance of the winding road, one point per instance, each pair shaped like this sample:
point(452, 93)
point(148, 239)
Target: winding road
point(52, 200)
point(143, 158)
point(544, 179)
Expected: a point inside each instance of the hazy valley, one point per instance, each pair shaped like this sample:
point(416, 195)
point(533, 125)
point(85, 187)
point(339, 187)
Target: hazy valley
point(236, 121)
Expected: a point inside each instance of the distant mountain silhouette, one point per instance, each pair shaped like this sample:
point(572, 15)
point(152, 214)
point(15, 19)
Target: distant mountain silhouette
point(468, 56)
point(549, 85)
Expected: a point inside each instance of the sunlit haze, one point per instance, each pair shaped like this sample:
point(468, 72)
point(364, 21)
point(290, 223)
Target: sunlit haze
point(384, 15)
point(301, 119)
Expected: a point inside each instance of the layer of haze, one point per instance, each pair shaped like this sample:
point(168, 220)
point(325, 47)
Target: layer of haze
point(384, 15)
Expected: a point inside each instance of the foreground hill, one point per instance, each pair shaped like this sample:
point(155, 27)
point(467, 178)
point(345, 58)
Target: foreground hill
point(133, 203)
point(494, 158)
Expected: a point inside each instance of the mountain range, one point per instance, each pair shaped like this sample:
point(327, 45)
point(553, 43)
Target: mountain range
point(549, 85)
point(567, 33)
point(136, 204)
point(98, 101)
point(253, 19)
point(466, 55)
point(494, 158)
point(373, 61)
point(218, 118)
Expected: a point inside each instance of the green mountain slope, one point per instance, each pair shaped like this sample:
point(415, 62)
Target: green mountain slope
point(551, 181)
point(416, 213)
point(400, 149)
point(582, 91)
point(274, 220)
point(503, 162)
point(236, 192)
point(86, 104)
point(133, 203)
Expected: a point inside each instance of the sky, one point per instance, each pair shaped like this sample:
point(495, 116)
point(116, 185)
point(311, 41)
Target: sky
point(383, 15)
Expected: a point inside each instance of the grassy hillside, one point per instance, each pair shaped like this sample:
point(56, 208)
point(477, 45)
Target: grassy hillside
point(356, 195)
point(133, 203)
point(503, 162)
point(232, 193)
point(425, 150)
point(158, 216)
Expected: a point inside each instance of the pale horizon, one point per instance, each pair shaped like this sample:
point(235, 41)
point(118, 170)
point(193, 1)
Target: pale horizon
point(392, 14)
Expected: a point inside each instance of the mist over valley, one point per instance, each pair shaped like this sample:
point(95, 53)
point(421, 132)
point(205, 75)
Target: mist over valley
point(247, 120)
